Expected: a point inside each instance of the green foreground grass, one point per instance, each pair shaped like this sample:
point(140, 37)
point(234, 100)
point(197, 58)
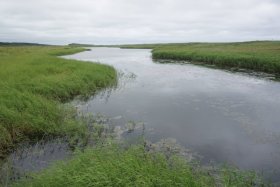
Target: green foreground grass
point(34, 84)
point(112, 165)
point(259, 56)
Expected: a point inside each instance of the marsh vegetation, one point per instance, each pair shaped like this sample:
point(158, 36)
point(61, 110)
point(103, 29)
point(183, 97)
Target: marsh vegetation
point(259, 55)
point(35, 83)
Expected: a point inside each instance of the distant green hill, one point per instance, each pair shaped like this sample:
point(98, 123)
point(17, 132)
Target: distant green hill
point(81, 45)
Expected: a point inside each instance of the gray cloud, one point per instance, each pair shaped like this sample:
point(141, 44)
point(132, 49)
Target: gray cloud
point(138, 21)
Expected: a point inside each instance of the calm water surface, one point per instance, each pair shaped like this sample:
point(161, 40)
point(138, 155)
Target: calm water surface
point(222, 116)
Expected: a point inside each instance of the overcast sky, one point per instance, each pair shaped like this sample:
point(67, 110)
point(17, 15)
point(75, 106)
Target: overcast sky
point(138, 21)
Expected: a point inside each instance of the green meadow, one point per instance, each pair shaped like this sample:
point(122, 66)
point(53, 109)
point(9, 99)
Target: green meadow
point(35, 83)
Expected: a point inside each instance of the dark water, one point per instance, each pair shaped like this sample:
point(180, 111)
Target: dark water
point(223, 116)
point(32, 157)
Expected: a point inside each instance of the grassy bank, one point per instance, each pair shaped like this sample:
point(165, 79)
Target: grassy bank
point(34, 84)
point(134, 166)
point(259, 56)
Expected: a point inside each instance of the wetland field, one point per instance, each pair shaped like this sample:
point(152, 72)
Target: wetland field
point(194, 114)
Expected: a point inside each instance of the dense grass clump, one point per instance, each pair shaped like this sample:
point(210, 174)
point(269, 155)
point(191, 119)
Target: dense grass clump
point(115, 166)
point(259, 56)
point(34, 83)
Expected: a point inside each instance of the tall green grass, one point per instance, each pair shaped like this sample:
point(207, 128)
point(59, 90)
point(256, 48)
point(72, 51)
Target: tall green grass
point(259, 56)
point(112, 165)
point(34, 83)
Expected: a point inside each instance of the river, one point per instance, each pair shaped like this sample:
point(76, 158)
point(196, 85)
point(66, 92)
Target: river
point(223, 116)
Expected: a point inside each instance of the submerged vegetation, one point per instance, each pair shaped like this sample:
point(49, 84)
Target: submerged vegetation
point(110, 161)
point(259, 56)
point(116, 165)
point(34, 84)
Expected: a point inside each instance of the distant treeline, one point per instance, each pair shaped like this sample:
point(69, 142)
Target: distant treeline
point(20, 44)
point(91, 45)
